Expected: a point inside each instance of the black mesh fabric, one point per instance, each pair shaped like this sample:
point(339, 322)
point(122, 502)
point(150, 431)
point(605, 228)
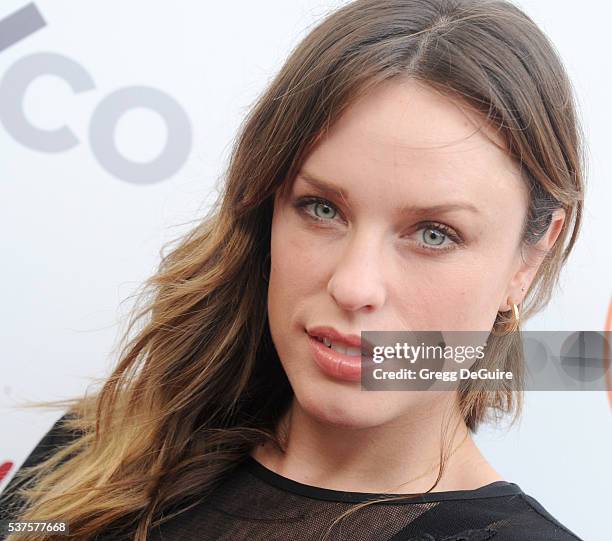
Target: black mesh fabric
point(255, 503)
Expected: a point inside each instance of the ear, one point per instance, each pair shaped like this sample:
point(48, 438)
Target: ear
point(530, 263)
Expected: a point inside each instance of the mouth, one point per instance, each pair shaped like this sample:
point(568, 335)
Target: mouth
point(364, 349)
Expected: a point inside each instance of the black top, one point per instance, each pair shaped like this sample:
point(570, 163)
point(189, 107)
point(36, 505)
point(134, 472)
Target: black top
point(255, 503)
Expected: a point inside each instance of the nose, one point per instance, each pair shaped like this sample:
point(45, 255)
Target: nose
point(357, 281)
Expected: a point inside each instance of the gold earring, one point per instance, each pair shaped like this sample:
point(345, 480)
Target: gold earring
point(509, 326)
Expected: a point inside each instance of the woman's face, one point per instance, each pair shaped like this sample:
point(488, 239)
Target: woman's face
point(425, 237)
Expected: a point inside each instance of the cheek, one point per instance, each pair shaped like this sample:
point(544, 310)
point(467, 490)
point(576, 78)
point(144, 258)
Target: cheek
point(297, 262)
point(286, 273)
point(468, 296)
point(294, 268)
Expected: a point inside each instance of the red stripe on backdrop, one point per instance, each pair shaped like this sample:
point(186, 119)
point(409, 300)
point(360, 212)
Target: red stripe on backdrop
point(5, 467)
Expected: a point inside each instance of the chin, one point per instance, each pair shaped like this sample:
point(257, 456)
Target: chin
point(352, 408)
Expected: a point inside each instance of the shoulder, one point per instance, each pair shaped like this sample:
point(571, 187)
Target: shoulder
point(523, 518)
point(539, 524)
point(57, 436)
point(498, 513)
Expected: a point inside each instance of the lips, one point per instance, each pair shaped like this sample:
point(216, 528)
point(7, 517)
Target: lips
point(347, 340)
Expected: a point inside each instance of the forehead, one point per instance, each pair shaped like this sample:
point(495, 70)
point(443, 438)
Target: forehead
point(406, 134)
point(410, 115)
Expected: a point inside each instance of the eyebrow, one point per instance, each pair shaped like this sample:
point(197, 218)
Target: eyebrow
point(331, 189)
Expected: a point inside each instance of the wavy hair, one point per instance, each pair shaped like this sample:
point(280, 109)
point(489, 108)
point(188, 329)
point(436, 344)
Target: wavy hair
point(198, 382)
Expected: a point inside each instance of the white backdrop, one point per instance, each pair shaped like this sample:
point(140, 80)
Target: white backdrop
point(80, 232)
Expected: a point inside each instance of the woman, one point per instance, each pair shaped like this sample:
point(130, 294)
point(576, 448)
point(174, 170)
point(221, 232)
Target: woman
point(416, 164)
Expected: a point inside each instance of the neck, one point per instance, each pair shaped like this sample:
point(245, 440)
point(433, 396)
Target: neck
point(402, 456)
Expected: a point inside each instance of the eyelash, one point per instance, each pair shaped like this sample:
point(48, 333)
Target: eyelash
point(303, 202)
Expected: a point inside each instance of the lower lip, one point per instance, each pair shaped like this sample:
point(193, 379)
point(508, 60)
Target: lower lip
point(336, 364)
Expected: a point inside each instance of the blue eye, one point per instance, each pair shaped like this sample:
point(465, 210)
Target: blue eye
point(434, 233)
point(326, 208)
point(437, 233)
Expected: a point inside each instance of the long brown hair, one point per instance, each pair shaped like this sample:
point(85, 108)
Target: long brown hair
point(198, 382)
